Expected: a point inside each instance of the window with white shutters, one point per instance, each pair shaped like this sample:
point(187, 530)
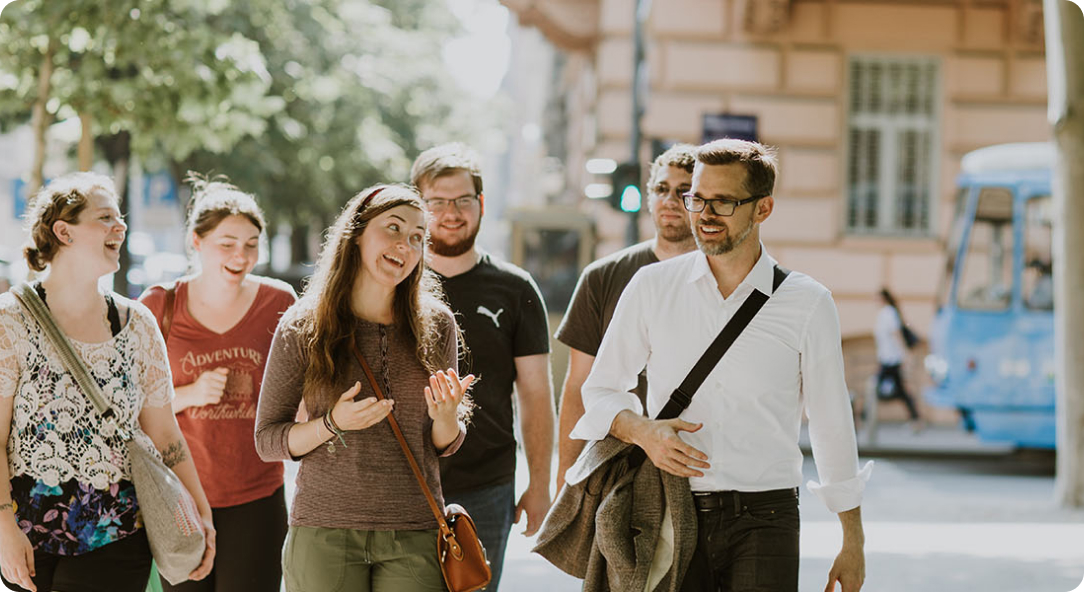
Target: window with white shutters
point(892, 119)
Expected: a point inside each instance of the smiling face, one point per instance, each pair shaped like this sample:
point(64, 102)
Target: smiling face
point(666, 191)
point(391, 245)
point(452, 230)
point(96, 237)
point(718, 235)
point(230, 250)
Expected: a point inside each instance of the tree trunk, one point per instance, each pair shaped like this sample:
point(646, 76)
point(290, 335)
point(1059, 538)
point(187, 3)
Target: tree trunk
point(299, 243)
point(1065, 75)
point(86, 143)
point(118, 152)
point(41, 119)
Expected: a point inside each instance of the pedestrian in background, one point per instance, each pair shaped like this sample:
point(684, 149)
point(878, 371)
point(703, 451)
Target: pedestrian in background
point(504, 322)
point(359, 519)
point(218, 323)
point(602, 282)
point(71, 520)
point(891, 335)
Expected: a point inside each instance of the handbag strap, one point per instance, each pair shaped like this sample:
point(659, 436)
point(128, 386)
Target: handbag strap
point(167, 310)
point(445, 530)
point(683, 394)
point(32, 303)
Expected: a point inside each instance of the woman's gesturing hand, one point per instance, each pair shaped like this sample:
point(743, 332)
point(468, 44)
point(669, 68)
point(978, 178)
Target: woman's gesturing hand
point(349, 414)
point(444, 393)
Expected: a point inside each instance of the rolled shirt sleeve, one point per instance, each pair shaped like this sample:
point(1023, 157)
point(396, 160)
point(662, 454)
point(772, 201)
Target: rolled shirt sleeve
point(623, 354)
point(828, 407)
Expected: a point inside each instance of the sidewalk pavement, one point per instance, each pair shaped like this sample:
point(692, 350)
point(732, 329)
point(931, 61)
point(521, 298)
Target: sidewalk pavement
point(898, 439)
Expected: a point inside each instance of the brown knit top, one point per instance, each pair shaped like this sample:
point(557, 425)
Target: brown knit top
point(368, 485)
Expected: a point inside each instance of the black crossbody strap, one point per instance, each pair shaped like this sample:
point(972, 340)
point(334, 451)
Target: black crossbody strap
point(683, 394)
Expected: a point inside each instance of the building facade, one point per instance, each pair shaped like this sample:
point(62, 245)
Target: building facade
point(871, 105)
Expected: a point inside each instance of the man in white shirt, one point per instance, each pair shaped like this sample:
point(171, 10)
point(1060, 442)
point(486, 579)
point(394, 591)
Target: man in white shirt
point(737, 442)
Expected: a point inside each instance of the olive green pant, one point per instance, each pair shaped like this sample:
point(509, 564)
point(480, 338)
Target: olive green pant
point(339, 559)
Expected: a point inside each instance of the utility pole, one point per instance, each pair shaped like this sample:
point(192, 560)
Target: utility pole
point(639, 89)
point(1065, 85)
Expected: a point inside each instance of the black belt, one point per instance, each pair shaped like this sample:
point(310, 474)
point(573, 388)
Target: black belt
point(714, 500)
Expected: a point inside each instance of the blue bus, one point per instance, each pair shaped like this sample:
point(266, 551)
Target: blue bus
point(992, 340)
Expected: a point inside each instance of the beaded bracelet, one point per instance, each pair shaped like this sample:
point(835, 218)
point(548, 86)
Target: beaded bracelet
point(329, 423)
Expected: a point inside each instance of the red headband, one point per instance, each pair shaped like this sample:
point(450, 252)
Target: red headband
point(366, 201)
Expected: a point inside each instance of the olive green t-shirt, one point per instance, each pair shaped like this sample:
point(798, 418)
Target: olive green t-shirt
point(595, 298)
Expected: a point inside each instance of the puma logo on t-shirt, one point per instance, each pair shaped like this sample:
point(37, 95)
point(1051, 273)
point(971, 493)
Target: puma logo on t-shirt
point(491, 314)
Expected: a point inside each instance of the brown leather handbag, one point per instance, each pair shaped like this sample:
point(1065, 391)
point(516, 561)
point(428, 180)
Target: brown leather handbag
point(461, 555)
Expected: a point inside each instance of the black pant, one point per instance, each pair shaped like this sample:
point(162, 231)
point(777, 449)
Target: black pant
point(746, 542)
point(121, 566)
point(891, 373)
point(248, 548)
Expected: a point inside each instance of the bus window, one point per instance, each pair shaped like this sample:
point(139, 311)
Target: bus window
point(1038, 280)
point(953, 246)
point(986, 274)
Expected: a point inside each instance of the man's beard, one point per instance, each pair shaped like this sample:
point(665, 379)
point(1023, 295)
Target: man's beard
point(726, 245)
point(674, 234)
point(446, 249)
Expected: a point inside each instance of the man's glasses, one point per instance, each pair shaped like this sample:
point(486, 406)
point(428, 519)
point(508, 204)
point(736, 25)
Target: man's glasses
point(440, 204)
point(719, 207)
point(663, 191)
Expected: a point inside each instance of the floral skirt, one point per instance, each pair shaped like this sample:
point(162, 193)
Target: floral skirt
point(73, 518)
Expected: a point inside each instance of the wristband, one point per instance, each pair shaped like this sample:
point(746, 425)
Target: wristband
point(329, 423)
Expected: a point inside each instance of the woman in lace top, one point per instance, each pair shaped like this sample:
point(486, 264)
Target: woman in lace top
point(71, 520)
point(359, 519)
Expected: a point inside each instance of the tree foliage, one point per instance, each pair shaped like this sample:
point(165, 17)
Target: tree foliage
point(365, 90)
point(303, 102)
point(171, 74)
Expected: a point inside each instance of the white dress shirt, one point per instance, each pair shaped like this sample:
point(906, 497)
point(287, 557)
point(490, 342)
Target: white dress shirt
point(886, 334)
point(788, 359)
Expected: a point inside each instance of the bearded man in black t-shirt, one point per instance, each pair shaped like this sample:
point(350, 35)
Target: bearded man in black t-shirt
point(602, 282)
point(504, 322)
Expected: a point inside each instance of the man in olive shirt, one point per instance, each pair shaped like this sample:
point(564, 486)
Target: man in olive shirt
point(602, 282)
point(504, 322)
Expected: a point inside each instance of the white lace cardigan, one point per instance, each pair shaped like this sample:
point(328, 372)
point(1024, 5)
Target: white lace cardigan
point(56, 434)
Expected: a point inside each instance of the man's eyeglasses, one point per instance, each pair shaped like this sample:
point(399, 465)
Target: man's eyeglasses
point(719, 207)
point(663, 191)
point(440, 204)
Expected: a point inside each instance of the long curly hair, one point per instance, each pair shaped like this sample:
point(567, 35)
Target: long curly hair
point(323, 314)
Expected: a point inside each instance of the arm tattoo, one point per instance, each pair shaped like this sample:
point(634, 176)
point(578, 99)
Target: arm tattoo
point(175, 454)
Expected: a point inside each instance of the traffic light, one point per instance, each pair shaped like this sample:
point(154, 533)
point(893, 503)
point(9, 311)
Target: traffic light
point(626, 194)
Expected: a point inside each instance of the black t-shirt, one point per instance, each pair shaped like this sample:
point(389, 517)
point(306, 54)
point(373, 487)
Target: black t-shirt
point(593, 303)
point(503, 317)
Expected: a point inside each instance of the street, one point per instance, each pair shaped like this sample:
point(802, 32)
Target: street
point(937, 524)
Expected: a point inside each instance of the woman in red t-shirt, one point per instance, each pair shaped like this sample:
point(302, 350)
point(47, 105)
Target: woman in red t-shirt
point(218, 324)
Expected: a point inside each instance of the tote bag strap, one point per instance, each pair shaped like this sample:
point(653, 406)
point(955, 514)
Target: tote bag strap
point(32, 303)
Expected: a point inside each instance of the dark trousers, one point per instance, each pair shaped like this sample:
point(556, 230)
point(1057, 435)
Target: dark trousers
point(891, 379)
point(746, 542)
point(120, 566)
point(492, 509)
point(248, 548)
